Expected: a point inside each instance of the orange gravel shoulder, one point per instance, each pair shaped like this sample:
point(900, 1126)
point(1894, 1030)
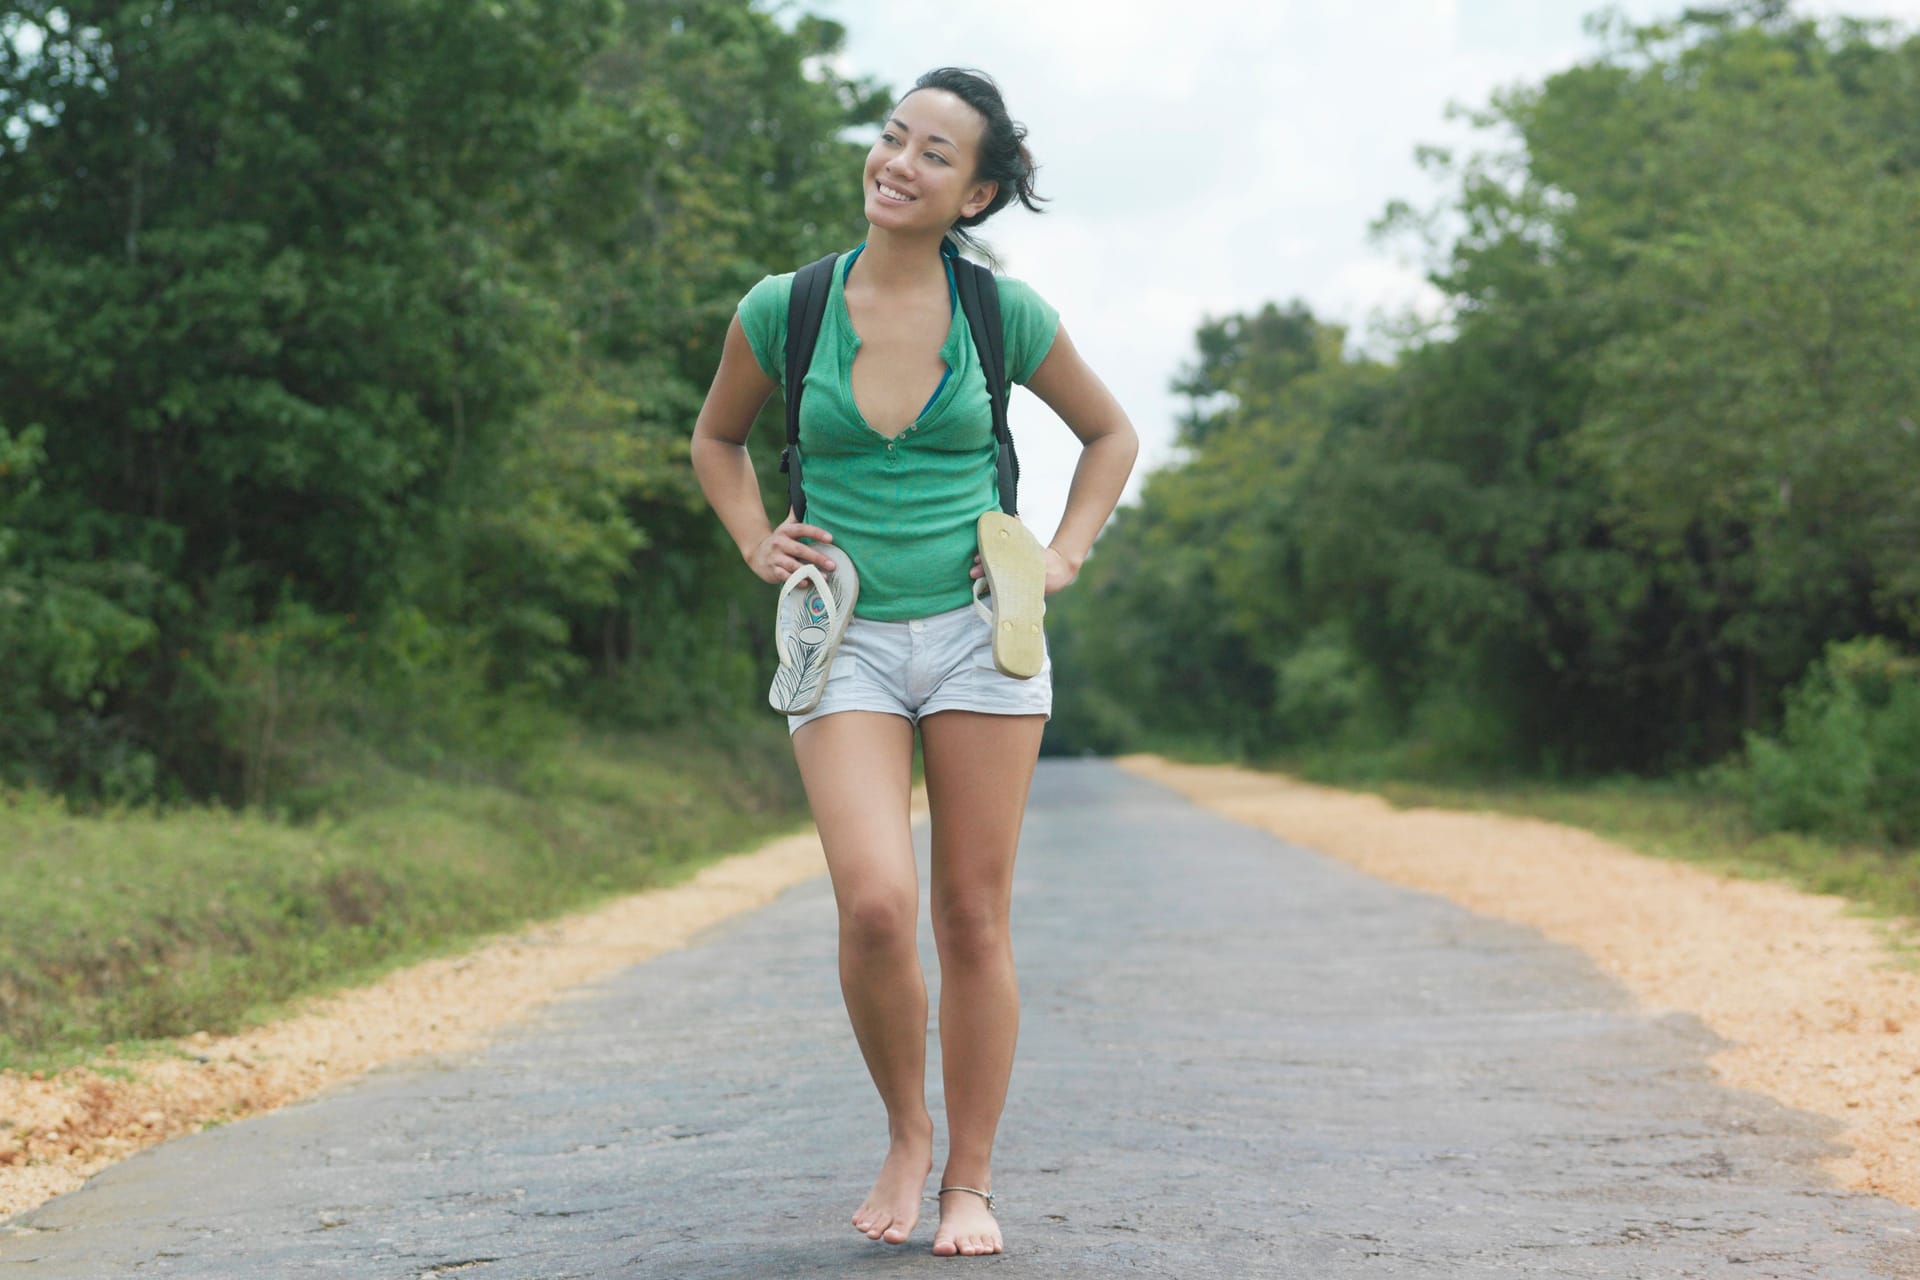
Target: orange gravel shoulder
point(1816, 1010)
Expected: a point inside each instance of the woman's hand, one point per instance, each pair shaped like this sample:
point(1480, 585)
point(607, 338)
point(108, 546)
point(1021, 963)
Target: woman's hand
point(781, 552)
point(1060, 571)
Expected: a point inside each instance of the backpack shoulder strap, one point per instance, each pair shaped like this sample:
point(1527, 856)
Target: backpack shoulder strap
point(980, 299)
point(805, 307)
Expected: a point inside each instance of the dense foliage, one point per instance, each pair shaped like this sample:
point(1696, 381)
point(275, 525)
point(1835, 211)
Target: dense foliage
point(348, 354)
point(1660, 452)
point(347, 359)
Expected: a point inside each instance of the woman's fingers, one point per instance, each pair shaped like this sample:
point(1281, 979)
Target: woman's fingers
point(811, 555)
point(789, 535)
point(783, 552)
point(794, 529)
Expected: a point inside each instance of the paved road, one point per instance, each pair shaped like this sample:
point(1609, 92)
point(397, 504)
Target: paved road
point(1238, 1059)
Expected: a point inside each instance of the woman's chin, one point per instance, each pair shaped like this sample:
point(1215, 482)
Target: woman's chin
point(892, 217)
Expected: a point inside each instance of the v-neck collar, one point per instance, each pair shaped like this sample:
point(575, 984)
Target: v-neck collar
point(948, 350)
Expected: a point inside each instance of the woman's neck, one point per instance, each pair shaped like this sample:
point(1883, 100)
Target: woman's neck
point(892, 261)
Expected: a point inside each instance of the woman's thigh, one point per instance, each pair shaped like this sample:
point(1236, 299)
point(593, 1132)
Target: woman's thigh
point(858, 771)
point(979, 771)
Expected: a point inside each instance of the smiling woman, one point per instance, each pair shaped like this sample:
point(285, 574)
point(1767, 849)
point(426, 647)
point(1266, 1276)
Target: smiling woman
point(1002, 158)
point(902, 479)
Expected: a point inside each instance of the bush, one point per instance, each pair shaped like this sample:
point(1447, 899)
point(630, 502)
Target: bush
point(1846, 762)
point(1321, 689)
point(1894, 737)
point(70, 627)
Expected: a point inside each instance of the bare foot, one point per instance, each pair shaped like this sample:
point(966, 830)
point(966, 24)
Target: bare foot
point(967, 1226)
point(893, 1206)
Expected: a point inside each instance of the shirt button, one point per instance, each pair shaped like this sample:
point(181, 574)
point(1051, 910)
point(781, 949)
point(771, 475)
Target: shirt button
point(889, 446)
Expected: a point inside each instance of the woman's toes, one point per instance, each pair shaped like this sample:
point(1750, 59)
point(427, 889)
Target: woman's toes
point(966, 1229)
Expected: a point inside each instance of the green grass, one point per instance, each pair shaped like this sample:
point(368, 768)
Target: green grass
point(123, 927)
point(1687, 820)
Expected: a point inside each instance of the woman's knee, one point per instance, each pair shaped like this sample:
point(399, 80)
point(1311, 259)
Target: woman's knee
point(879, 918)
point(971, 923)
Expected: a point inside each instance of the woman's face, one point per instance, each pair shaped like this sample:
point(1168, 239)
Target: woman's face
point(919, 173)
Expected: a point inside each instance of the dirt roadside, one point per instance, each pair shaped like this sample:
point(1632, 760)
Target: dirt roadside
point(1816, 1008)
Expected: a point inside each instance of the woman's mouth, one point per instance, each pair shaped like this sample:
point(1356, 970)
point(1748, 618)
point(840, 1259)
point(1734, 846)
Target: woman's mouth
point(894, 194)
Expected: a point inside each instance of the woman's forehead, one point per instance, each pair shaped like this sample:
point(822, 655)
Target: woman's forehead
point(939, 111)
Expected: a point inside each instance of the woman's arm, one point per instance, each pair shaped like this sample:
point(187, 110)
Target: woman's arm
point(720, 460)
point(1109, 446)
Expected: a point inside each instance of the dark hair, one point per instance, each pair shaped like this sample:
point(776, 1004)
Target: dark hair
point(1004, 157)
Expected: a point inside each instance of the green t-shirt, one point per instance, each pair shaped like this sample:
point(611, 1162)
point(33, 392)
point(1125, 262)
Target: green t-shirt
point(903, 508)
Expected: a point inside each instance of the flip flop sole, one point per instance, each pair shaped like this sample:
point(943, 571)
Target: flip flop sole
point(1016, 574)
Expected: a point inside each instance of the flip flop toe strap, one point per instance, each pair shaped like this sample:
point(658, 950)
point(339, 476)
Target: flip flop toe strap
point(980, 607)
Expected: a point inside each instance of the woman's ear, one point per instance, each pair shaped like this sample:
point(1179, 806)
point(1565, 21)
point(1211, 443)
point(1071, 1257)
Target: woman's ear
point(979, 198)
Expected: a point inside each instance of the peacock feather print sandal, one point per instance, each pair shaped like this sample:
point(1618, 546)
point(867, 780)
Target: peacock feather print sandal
point(812, 615)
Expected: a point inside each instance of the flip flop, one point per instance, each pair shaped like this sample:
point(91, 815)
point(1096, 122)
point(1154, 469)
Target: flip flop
point(1016, 577)
point(812, 615)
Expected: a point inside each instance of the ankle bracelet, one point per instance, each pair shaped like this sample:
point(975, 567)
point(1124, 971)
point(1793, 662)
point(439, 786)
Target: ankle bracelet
point(984, 1195)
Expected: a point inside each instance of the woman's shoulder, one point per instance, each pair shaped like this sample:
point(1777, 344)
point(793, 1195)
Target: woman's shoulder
point(769, 291)
point(1015, 292)
point(1029, 322)
point(763, 318)
point(763, 315)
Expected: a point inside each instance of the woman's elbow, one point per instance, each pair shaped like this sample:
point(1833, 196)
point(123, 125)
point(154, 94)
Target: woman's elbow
point(1123, 440)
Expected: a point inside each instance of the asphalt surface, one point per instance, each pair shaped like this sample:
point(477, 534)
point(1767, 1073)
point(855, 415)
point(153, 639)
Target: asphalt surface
point(1238, 1058)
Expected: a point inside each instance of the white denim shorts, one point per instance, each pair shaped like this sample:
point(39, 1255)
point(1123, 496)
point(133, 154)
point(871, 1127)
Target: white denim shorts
point(913, 669)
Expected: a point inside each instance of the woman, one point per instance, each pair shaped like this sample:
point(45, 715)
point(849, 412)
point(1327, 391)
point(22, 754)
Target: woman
point(897, 436)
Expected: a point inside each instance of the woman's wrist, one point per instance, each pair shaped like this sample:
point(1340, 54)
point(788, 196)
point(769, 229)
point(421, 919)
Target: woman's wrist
point(753, 542)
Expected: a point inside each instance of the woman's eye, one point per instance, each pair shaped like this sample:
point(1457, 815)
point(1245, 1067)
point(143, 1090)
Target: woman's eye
point(935, 155)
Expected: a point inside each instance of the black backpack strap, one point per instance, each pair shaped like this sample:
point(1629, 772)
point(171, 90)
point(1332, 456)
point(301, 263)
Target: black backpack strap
point(805, 307)
point(980, 299)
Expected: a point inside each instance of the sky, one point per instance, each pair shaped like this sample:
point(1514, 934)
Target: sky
point(1205, 157)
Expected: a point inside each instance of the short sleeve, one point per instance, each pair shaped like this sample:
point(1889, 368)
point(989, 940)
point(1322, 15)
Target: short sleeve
point(1028, 323)
point(763, 318)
